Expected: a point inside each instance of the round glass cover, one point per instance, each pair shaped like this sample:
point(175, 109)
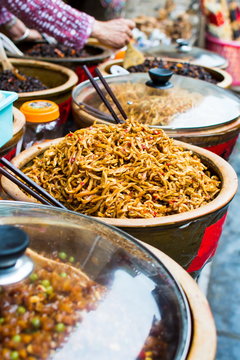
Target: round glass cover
point(95, 293)
point(189, 104)
point(197, 55)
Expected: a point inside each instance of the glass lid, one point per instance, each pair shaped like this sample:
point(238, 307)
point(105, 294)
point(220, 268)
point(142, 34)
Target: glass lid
point(92, 291)
point(182, 103)
point(186, 52)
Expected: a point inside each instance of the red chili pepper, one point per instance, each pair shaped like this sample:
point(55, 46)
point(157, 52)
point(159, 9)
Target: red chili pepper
point(70, 134)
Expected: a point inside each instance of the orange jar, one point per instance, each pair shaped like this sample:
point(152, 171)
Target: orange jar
point(42, 122)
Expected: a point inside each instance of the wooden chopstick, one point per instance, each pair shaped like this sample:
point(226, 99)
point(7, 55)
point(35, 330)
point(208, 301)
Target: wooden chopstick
point(101, 94)
point(111, 94)
point(30, 184)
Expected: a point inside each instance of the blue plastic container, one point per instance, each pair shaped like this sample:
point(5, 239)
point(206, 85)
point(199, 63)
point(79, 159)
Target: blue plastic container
point(6, 115)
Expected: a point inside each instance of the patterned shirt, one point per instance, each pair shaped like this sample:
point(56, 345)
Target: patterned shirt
point(66, 24)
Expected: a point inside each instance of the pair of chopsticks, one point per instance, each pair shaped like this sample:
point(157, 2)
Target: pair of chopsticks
point(28, 185)
point(103, 97)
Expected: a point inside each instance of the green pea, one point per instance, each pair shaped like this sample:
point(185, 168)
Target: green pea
point(71, 259)
point(16, 338)
point(60, 327)
point(64, 275)
point(36, 322)
point(14, 355)
point(62, 255)
point(33, 277)
point(45, 283)
point(21, 310)
point(49, 290)
point(1, 320)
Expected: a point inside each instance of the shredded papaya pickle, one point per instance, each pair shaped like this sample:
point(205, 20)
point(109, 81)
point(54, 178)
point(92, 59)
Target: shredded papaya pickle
point(124, 171)
point(152, 106)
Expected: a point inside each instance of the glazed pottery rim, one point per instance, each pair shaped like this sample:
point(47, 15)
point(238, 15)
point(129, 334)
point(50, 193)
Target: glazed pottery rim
point(227, 174)
point(106, 53)
point(68, 84)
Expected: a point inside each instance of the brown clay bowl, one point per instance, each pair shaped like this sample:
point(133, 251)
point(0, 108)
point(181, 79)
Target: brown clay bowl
point(9, 149)
point(222, 77)
point(59, 80)
point(189, 238)
point(97, 54)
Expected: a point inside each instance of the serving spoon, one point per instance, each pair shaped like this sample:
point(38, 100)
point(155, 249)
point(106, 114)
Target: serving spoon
point(7, 65)
point(44, 261)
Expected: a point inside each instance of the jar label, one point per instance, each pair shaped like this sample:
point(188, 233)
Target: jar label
point(40, 104)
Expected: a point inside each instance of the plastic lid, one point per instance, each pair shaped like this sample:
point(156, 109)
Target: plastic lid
point(189, 104)
point(197, 55)
point(124, 304)
point(39, 111)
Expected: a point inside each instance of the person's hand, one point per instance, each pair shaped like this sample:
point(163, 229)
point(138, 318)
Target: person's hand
point(114, 33)
point(17, 30)
point(34, 35)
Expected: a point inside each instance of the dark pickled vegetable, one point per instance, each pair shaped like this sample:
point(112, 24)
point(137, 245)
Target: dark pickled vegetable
point(185, 69)
point(9, 82)
point(56, 51)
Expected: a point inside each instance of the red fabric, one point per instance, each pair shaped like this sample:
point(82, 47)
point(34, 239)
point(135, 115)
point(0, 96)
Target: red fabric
point(10, 155)
point(81, 74)
point(225, 149)
point(208, 245)
point(65, 109)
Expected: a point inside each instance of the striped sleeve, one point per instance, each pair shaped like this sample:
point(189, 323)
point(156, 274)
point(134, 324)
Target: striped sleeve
point(5, 16)
point(66, 24)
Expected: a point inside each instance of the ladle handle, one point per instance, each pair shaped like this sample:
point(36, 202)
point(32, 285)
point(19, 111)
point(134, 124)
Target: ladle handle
point(6, 64)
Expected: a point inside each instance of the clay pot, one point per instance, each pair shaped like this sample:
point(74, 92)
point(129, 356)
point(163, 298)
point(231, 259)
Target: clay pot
point(97, 54)
point(59, 80)
point(190, 238)
point(204, 339)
